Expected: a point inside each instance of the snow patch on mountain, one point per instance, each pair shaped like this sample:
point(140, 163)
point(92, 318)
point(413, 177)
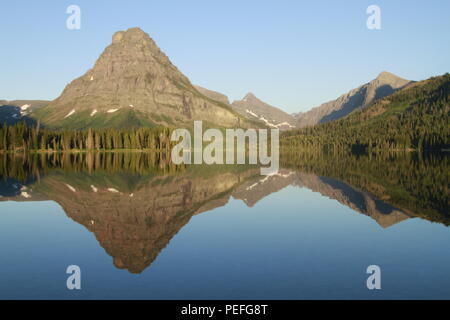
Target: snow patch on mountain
point(70, 113)
point(70, 187)
point(271, 124)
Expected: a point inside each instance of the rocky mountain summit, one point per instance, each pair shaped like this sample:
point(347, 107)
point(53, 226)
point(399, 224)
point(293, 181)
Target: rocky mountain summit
point(253, 108)
point(383, 85)
point(134, 83)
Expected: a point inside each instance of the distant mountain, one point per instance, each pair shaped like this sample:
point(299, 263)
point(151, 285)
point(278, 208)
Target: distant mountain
point(255, 109)
point(14, 111)
point(133, 83)
point(385, 84)
point(213, 95)
point(26, 105)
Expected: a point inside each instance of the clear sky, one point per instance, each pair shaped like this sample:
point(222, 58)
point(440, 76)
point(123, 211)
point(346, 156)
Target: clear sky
point(291, 54)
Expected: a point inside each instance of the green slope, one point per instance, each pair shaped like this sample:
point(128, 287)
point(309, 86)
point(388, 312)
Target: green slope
point(124, 118)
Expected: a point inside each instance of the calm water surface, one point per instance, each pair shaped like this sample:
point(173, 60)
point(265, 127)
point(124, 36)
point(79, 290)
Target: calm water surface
point(141, 229)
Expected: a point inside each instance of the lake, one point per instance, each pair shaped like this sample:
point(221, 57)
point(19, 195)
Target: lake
point(141, 228)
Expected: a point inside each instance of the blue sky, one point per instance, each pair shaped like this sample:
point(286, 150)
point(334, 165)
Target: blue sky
point(292, 54)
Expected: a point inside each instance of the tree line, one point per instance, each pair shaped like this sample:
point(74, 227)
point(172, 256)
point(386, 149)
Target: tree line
point(21, 137)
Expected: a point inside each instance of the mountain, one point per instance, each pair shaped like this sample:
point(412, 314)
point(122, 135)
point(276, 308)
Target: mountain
point(14, 111)
point(213, 95)
point(133, 83)
point(253, 108)
point(385, 84)
point(415, 117)
point(27, 105)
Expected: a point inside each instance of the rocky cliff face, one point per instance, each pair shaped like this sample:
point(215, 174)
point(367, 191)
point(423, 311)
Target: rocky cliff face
point(385, 84)
point(253, 108)
point(133, 83)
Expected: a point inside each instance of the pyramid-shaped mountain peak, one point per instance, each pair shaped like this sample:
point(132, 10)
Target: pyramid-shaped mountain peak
point(250, 95)
point(385, 74)
point(134, 83)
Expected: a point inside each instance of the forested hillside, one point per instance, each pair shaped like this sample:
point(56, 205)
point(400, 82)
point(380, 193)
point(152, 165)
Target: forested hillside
point(416, 117)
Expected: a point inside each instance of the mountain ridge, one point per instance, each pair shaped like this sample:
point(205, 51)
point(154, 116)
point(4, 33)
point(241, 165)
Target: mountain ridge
point(383, 85)
point(213, 94)
point(14, 111)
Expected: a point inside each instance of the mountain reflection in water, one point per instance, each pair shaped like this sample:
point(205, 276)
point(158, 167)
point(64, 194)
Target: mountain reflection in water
point(135, 203)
